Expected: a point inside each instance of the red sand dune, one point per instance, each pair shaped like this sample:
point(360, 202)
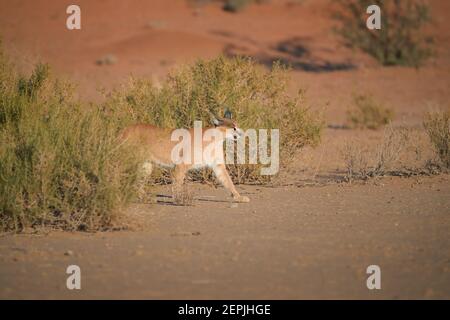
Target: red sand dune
point(150, 37)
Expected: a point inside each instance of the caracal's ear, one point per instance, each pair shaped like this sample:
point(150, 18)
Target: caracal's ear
point(227, 114)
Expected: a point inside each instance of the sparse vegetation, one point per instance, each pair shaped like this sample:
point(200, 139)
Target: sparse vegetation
point(356, 161)
point(389, 152)
point(437, 125)
point(368, 113)
point(401, 40)
point(364, 161)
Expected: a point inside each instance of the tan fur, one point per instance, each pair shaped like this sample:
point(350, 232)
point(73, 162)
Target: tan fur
point(157, 145)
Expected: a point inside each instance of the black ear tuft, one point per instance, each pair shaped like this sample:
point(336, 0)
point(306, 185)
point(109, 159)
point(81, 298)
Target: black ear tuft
point(227, 114)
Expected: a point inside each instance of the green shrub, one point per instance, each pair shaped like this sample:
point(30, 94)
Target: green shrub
point(60, 164)
point(400, 40)
point(257, 99)
point(437, 125)
point(368, 113)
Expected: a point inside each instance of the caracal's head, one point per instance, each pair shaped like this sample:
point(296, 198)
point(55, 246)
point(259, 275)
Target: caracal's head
point(228, 126)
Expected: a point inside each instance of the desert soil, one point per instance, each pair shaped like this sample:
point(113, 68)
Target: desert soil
point(310, 237)
point(288, 243)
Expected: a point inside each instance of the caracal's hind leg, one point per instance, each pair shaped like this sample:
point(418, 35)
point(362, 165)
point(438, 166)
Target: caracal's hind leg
point(179, 174)
point(143, 179)
point(222, 175)
point(147, 169)
point(180, 195)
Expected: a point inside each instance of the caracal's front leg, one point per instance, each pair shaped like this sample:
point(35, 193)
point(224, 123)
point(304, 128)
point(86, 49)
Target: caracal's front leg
point(179, 174)
point(222, 175)
point(178, 177)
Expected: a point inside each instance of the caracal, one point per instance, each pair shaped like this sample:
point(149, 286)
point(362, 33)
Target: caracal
point(157, 146)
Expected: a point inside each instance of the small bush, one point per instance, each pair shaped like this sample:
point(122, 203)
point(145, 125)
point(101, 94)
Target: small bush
point(400, 40)
point(257, 99)
point(356, 161)
point(402, 151)
point(389, 152)
point(363, 161)
point(368, 113)
point(60, 163)
point(437, 125)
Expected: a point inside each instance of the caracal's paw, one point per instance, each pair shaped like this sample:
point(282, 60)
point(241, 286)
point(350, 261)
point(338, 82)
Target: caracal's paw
point(242, 199)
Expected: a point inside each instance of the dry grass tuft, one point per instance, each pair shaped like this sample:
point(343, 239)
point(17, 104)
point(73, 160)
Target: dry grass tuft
point(182, 196)
point(367, 113)
point(399, 153)
point(356, 161)
point(437, 126)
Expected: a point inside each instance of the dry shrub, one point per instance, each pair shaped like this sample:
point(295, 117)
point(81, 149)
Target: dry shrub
point(60, 164)
point(356, 161)
point(363, 161)
point(257, 98)
point(182, 195)
point(368, 113)
point(400, 41)
point(437, 126)
point(388, 154)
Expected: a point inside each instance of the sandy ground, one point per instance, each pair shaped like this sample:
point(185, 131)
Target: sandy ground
point(288, 242)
